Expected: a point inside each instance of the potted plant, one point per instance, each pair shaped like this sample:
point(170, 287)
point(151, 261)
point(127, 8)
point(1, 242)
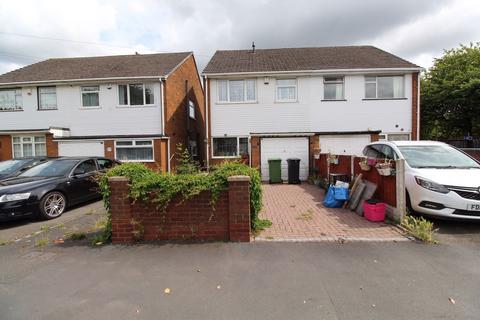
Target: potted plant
point(332, 159)
point(364, 164)
point(384, 168)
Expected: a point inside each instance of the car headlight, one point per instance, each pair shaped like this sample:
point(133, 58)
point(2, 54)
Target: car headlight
point(430, 185)
point(14, 197)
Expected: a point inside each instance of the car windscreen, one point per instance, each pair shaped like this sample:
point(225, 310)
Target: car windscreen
point(9, 166)
point(55, 168)
point(438, 156)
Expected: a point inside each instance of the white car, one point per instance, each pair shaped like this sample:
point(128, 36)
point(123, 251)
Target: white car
point(441, 180)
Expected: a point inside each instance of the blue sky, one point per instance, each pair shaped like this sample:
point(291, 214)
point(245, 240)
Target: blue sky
point(418, 31)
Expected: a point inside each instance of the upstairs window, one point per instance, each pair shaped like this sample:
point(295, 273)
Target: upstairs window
point(11, 100)
point(90, 96)
point(286, 90)
point(237, 91)
point(333, 88)
point(136, 94)
point(29, 146)
point(384, 87)
point(47, 98)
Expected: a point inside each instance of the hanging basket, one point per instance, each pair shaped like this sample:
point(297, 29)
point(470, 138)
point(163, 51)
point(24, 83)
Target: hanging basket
point(364, 166)
point(384, 169)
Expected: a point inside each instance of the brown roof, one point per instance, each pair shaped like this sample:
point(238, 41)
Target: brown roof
point(303, 59)
point(160, 64)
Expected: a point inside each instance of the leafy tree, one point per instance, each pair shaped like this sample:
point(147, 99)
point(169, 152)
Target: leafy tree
point(450, 98)
point(186, 165)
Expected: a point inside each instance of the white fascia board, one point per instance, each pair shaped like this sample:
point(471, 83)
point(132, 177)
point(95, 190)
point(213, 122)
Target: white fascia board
point(319, 72)
point(72, 81)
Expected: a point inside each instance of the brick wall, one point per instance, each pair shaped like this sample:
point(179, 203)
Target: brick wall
point(52, 146)
point(193, 219)
point(178, 126)
point(5, 147)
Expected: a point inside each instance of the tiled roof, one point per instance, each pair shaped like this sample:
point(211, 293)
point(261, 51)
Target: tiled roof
point(303, 59)
point(122, 66)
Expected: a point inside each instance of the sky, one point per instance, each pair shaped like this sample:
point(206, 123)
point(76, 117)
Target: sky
point(416, 30)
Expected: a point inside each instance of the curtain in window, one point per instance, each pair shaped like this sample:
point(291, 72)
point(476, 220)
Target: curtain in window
point(48, 98)
point(149, 96)
point(7, 99)
point(222, 90)
point(385, 87)
point(135, 154)
point(398, 87)
point(250, 84)
point(236, 90)
point(243, 146)
point(333, 91)
point(122, 95)
point(286, 89)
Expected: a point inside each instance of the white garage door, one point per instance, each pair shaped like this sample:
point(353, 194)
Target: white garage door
point(80, 149)
point(284, 148)
point(344, 144)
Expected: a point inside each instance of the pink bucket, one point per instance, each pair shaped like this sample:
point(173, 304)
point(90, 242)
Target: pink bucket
point(374, 212)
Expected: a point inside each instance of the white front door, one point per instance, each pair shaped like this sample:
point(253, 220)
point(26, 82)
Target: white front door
point(81, 149)
point(284, 148)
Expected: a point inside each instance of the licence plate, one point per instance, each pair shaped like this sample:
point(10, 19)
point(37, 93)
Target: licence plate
point(473, 207)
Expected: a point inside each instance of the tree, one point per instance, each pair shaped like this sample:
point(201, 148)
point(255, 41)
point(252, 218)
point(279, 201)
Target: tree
point(186, 165)
point(450, 97)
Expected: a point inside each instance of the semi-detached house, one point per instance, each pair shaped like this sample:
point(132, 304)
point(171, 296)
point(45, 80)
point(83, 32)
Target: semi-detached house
point(131, 108)
point(298, 102)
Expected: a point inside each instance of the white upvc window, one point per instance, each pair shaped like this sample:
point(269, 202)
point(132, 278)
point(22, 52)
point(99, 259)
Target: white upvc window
point(229, 147)
point(136, 94)
point(193, 148)
point(191, 109)
point(384, 87)
point(286, 90)
point(134, 150)
point(333, 88)
point(237, 91)
point(29, 146)
point(11, 100)
point(90, 96)
point(47, 98)
point(394, 137)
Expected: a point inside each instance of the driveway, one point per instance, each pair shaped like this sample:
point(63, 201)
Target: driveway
point(262, 280)
point(297, 214)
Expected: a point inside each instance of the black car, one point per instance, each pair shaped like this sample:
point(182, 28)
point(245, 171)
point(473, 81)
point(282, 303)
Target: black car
point(12, 168)
point(49, 188)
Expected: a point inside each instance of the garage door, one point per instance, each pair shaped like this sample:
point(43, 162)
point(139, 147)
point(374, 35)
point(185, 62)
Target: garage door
point(284, 148)
point(344, 144)
point(80, 149)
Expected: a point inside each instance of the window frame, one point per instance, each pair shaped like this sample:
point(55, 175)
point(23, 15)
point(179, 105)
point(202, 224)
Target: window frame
point(365, 82)
point(334, 82)
point(238, 155)
point(228, 101)
point(15, 94)
point(33, 143)
point(191, 109)
point(129, 105)
point(134, 141)
point(288, 86)
point(39, 101)
point(81, 97)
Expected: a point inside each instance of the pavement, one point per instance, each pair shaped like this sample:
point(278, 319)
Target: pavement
point(297, 214)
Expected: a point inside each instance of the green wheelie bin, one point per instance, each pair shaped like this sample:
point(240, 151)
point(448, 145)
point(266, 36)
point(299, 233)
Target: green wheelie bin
point(275, 170)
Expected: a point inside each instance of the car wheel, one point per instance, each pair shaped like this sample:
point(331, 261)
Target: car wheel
point(53, 204)
point(410, 210)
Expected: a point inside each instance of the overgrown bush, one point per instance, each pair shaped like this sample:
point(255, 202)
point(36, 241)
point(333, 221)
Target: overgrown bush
point(186, 165)
point(162, 188)
point(420, 228)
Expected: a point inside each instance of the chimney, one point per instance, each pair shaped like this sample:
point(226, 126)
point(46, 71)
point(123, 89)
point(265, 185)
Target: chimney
point(253, 46)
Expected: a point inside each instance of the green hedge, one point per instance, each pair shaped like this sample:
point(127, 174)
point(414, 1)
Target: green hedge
point(161, 188)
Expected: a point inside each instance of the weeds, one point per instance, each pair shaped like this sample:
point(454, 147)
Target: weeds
point(306, 216)
point(420, 228)
point(41, 242)
point(76, 236)
point(4, 242)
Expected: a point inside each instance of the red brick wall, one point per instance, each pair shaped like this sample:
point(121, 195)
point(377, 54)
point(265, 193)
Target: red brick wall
point(193, 219)
point(5, 147)
point(175, 99)
point(52, 146)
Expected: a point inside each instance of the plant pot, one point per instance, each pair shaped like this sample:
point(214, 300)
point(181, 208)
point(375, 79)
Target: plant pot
point(316, 156)
point(364, 166)
point(386, 171)
point(371, 161)
point(333, 161)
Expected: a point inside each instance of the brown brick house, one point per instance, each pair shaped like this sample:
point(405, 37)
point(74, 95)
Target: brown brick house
point(132, 108)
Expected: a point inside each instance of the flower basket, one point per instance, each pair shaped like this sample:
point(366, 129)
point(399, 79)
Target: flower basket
point(371, 161)
point(384, 168)
point(364, 166)
point(332, 159)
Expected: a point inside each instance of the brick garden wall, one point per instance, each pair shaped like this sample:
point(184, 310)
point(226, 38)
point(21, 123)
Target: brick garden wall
point(193, 219)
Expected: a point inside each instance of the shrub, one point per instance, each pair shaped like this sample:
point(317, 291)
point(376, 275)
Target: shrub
point(162, 188)
point(186, 165)
point(419, 228)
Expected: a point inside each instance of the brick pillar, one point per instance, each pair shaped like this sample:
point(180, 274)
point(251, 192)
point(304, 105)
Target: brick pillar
point(52, 146)
point(374, 137)
point(121, 210)
point(239, 208)
point(255, 146)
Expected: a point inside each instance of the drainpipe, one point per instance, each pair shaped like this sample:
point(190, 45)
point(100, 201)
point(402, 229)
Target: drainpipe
point(418, 106)
point(169, 157)
point(207, 100)
point(162, 105)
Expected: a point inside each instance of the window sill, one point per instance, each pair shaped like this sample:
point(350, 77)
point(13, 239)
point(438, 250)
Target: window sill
point(367, 99)
point(146, 161)
point(90, 108)
point(333, 100)
point(229, 103)
point(226, 157)
point(47, 109)
point(13, 110)
point(286, 101)
point(139, 106)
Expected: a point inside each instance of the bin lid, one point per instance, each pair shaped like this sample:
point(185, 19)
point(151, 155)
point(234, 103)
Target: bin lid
point(293, 159)
point(274, 159)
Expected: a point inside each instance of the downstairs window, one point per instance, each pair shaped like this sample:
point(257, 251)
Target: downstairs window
point(134, 150)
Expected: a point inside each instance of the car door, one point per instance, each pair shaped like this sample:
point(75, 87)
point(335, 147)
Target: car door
point(82, 184)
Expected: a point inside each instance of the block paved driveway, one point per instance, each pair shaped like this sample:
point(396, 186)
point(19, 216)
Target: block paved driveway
point(297, 214)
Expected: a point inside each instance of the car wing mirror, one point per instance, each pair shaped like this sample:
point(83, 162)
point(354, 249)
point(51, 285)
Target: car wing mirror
point(78, 172)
